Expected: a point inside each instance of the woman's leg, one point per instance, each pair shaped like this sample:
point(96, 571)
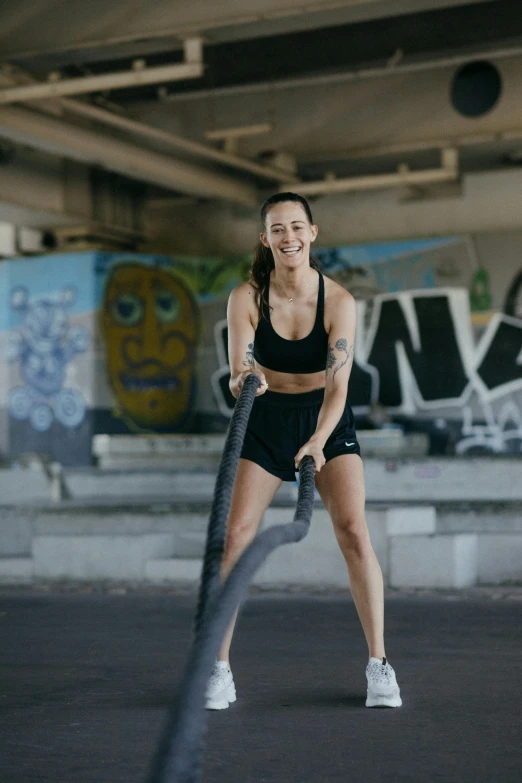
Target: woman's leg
point(341, 486)
point(254, 489)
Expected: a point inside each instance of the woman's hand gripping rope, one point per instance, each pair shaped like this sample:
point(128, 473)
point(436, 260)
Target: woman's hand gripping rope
point(313, 448)
point(263, 386)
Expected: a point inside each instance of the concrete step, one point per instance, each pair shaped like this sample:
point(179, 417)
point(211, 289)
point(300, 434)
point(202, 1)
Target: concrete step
point(406, 559)
point(433, 561)
point(184, 486)
point(393, 480)
point(173, 570)
point(387, 480)
point(96, 557)
point(23, 485)
point(16, 570)
point(204, 451)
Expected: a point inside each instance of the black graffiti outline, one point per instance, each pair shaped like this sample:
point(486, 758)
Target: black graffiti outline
point(471, 354)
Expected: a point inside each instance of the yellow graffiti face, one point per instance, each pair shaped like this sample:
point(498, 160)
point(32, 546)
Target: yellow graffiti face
point(150, 324)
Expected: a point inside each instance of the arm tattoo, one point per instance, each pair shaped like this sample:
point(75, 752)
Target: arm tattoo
point(330, 359)
point(340, 345)
point(249, 357)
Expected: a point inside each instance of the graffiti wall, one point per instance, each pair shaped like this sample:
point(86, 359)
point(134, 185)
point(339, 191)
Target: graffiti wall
point(129, 343)
point(46, 335)
point(436, 348)
point(107, 343)
point(155, 315)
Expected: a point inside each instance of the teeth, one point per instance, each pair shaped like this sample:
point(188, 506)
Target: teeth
point(291, 250)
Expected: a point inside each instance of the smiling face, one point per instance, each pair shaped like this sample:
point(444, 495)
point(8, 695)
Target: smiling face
point(150, 325)
point(288, 234)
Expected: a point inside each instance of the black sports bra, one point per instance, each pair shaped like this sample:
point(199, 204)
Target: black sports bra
point(294, 356)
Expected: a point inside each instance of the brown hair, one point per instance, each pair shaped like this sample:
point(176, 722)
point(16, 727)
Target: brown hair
point(263, 261)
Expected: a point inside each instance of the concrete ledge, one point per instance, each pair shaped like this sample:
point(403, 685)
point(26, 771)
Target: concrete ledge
point(85, 558)
point(152, 445)
point(432, 480)
point(23, 485)
point(411, 520)
point(479, 517)
point(167, 485)
point(433, 561)
point(15, 532)
point(182, 451)
point(16, 570)
point(147, 539)
point(315, 560)
point(172, 570)
point(499, 559)
point(398, 480)
point(129, 450)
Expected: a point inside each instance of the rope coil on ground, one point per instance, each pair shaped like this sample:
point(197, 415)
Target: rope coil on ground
point(179, 755)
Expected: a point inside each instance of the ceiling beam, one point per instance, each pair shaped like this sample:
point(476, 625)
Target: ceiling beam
point(60, 138)
point(191, 68)
point(448, 172)
point(389, 70)
point(15, 76)
point(412, 146)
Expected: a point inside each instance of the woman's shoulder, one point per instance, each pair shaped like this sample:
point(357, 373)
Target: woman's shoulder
point(243, 292)
point(335, 292)
point(242, 301)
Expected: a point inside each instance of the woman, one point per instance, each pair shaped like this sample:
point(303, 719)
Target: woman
point(295, 330)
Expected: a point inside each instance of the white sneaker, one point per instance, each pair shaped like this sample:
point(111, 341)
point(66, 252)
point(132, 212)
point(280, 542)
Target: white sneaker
point(383, 690)
point(221, 690)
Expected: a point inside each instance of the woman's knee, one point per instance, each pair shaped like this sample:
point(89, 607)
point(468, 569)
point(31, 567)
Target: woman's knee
point(240, 533)
point(352, 534)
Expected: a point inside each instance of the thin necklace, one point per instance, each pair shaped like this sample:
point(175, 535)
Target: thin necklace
point(284, 292)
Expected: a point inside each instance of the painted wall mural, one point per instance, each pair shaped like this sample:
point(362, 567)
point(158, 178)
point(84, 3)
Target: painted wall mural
point(43, 347)
point(98, 342)
point(150, 322)
point(435, 352)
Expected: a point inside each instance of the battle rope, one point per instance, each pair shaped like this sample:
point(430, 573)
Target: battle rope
point(179, 754)
point(217, 524)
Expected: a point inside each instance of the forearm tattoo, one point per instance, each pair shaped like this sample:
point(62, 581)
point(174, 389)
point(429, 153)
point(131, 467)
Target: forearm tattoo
point(331, 360)
point(248, 361)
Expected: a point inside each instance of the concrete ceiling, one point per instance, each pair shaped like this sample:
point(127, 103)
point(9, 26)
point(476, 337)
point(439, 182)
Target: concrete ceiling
point(348, 89)
point(43, 30)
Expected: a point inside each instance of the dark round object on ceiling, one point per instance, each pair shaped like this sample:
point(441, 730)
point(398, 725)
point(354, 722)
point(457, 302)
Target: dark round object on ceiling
point(476, 88)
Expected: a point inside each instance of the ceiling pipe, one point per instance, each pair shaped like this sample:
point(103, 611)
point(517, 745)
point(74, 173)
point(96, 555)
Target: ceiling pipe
point(9, 74)
point(447, 173)
point(59, 138)
point(193, 147)
point(191, 68)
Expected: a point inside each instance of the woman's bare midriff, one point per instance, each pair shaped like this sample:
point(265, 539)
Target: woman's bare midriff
point(292, 383)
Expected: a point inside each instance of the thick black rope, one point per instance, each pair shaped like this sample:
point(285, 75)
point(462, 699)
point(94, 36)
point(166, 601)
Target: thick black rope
point(180, 751)
point(217, 524)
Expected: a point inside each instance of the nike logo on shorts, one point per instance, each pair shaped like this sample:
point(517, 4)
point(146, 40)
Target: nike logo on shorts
point(349, 444)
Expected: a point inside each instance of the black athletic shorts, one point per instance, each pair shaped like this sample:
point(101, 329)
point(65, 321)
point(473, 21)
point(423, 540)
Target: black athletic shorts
point(280, 424)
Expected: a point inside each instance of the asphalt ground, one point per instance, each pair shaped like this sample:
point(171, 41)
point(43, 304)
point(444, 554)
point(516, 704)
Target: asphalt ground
point(87, 676)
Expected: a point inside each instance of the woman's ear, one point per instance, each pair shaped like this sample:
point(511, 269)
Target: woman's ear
point(264, 240)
